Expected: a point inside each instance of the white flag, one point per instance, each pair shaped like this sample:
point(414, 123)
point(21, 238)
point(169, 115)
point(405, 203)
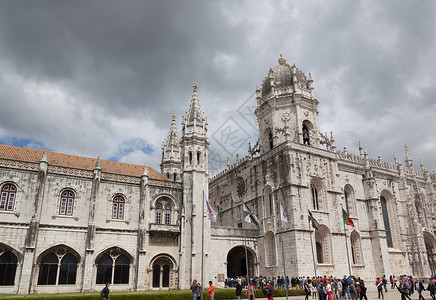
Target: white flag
point(209, 210)
point(283, 216)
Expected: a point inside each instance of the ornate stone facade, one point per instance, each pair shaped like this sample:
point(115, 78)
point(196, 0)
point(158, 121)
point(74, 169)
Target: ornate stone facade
point(71, 223)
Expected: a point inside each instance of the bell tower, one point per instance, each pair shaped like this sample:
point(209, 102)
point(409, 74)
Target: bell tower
point(286, 107)
point(194, 151)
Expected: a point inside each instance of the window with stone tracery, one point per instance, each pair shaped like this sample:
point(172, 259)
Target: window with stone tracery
point(349, 200)
point(7, 199)
point(113, 266)
point(58, 267)
point(268, 202)
point(8, 266)
point(386, 222)
point(158, 213)
point(167, 214)
point(317, 194)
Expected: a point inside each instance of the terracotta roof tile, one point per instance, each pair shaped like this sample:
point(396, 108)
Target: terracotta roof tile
point(76, 162)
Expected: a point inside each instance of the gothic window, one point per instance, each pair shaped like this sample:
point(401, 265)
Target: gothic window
point(306, 136)
point(7, 199)
point(190, 158)
point(158, 213)
point(198, 158)
point(270, 248)
point(268, 202)
point(315, 201)
point(118, 208)
point(270, 140)
point(349, 199)
point(386, 221)
point(162, 267)
point(167, 215)
point(175, 176)
point(8, 267)
point(356, 250)
point(113, 267)
point(67, 203)
point(58, 267)
point(323, 245)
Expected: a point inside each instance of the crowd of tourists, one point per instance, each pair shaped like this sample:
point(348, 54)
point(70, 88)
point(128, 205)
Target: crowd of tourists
point(333, 288)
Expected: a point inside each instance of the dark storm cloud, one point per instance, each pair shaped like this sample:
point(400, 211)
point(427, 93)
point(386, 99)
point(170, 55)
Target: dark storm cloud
point(103, 77)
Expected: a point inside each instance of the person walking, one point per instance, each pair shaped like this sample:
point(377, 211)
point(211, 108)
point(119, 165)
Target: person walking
point(328, 288)
point(385, 283)
point(211, 291)
point(431, 288)
point(307, 290)
point(194, 289)
point(419, 287)
point(238, 291)
point(104, 294)
point(402, 288)
point(353, 290)
point(269, 291)
point(251, 291)
point(379, 285)
point(362, 289)
point(314, 290)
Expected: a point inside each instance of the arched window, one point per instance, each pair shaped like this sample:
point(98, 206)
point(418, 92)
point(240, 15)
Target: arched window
point(58, 267)
point(113, 267)
point(270, 248)
point(167, 215)
point(158, 213)
point(386, 222)
point(67, 203)
point(175, 176)
point(162, 267)
point(306, 136)
point(323, 245)
point(268, 201)
point(156, 276)
point(356, 250)
point(118, 208)
point(8, 268)
point(7, 199)
point(315, 201)
point(349, 199)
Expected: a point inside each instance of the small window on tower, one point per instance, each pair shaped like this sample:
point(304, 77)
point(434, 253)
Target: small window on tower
point(190, 158)
point(306, 136)
point(198, 158)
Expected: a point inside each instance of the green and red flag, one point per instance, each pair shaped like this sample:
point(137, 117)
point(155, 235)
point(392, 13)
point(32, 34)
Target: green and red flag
point(347, 219)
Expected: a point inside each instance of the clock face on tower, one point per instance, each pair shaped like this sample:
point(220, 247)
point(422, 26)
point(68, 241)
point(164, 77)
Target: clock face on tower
point(241, 188)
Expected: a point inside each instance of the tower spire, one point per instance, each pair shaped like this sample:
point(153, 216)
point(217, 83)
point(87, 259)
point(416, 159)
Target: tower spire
point(194, 112)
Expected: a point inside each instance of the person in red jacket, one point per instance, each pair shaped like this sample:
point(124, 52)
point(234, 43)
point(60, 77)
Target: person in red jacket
point(211, 291)
point(379, 285)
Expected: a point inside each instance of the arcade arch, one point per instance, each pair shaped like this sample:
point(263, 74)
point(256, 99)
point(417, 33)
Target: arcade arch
point(236, 262)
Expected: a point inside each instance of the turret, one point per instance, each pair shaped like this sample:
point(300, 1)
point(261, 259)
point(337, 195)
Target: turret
point(171, 163)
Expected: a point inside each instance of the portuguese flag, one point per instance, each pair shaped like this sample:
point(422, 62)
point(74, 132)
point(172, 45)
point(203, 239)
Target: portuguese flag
point(347, 219)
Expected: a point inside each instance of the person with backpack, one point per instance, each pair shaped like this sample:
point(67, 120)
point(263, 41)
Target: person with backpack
point(379, 285)
point(269, 291)
point(385, 283)
point(362, 290)
point(104, 293)
point(402, 288)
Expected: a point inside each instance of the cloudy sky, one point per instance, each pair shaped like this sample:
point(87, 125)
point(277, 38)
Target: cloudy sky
point(103, 77)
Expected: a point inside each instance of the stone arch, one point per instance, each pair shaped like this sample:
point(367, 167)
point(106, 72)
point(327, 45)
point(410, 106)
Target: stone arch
point(268, 139)
point(236, 261)
point(323, 245)
point(356, 248)
point(169, 198)
point(113, 266)
point(430, 246)
point(307, 132)
point(58, 265)
point(10, 264)
point(163, 267)
point(270, 249)
point(390, 218)
point(350, 200)
point(317, 194)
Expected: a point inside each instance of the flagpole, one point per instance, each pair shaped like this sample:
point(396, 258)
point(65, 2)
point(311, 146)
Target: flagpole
point(202, 248)
point(311, 246)
point(346, 242)
point(245, 243)
point(283, 252)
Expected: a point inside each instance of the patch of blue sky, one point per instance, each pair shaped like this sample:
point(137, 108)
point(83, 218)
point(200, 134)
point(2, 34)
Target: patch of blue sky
point(130, 146)
point(22, 142)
